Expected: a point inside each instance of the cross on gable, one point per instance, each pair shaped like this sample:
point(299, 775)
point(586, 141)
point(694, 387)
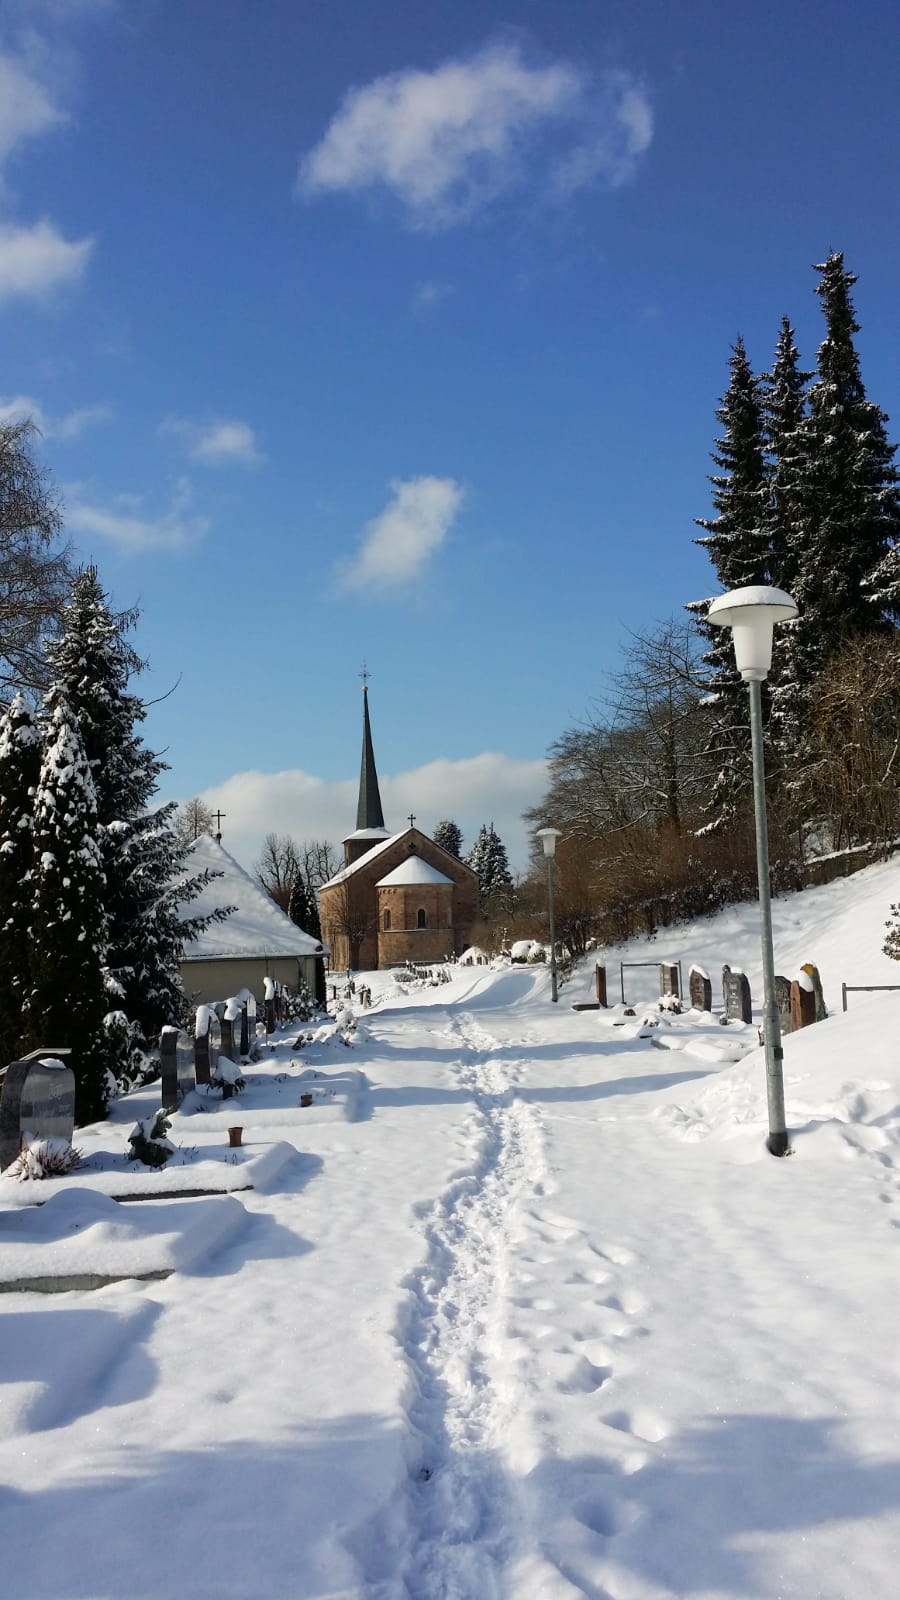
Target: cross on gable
point(412, 818)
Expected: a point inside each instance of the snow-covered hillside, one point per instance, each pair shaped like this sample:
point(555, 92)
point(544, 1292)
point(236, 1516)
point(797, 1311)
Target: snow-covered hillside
point(531, 1315)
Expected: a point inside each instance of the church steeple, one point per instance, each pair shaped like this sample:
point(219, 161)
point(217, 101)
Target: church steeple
point(368, 812)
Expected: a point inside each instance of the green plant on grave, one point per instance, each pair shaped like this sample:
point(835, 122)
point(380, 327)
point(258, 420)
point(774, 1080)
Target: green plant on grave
point(148, 1142)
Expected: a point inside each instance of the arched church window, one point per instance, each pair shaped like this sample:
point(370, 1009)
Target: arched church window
point(421, 918)
point(386, 921)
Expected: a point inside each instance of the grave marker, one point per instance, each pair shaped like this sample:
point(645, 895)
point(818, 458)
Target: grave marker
point(207, 1043)
point(700, 987)
point(600, 984)
point(668, 981)
point(38, 1098)
point(736, 995)
point(803, 1001)
point(783, 1002)
point(176, 1060)
point(231, 1031)
point(812, 972)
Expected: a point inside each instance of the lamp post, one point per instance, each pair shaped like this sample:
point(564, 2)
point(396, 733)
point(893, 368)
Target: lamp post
point(548, 838)
point(751, 614)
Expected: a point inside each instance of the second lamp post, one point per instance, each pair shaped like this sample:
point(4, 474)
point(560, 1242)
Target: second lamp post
point(548, 838)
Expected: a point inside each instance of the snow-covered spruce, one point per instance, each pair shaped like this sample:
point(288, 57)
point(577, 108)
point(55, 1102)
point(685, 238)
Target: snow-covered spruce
point(20, 764)
point(148, 1142)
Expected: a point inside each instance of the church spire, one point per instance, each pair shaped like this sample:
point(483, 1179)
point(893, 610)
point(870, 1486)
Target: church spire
point(368, 813)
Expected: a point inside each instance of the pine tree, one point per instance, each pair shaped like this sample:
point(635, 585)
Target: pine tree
point(303, 907)
point(786, 441)
point(147, 877)
point(449, 837)
point(20, 765)
point(488, 859)
point(66, 1003)
point(847, 580)
point(738, 542)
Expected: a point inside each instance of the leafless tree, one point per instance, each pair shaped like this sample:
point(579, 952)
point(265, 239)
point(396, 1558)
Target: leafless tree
point(278, 865)
point(35, 568)
point(191, 820)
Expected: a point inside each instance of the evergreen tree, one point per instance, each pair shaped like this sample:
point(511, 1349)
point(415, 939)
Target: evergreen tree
point(488, 860)
point(146, 869)
point(847, 579)
point(66, 1003)
point(449, 837)
point(303, 907)
point(786, 440)
point(20, 765)
point(738, 542)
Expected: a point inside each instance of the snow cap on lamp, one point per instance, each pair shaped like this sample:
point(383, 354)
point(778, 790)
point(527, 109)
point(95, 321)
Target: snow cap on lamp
point(751, 614)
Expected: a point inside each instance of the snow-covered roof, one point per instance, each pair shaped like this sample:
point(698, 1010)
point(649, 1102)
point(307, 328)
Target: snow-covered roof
point(414, 870)
point(362, 861)
point(367, 833)
point(257, 928)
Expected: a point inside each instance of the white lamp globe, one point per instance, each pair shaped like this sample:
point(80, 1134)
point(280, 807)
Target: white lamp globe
point(751, 614)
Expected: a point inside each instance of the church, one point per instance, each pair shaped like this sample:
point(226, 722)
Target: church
point(399, 897)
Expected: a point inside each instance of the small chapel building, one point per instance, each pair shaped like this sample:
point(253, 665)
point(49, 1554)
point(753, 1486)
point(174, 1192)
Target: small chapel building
point(399, 897)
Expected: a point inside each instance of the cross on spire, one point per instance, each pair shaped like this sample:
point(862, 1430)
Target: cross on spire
point(365, 674)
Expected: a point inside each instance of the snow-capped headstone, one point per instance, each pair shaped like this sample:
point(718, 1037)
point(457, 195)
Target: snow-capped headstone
point(700, 988)
point(803, 1001)
point(38, 1099)
point(812, 972)
point(245, 1026)
point(207, 1043)
point(176, 1060)
point(669, 986)
point(783, 1002)
point(600, 984)
point(736, 995)
point(231, 1030)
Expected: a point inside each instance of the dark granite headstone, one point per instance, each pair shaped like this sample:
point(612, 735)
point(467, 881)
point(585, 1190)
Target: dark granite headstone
point(207, 1043)
point(783, 1002)
point(176, 1059)
point(231, 1031)
point(39, 1099)
point(700, 989)
point(600, 984)
point(736, 995)
point(668, 981)
point(252, 1015)
point(270, 1015)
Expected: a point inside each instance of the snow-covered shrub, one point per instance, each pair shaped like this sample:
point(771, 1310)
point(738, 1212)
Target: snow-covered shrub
point(43, 1158)
point(228, 1078)
point(148, 1141)
point(300, 1007)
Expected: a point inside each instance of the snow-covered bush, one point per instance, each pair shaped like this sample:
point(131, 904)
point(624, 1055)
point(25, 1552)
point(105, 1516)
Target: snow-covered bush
point(228, 1078)
point(300, 1007)
point(43, 1158)
point(148, 1141)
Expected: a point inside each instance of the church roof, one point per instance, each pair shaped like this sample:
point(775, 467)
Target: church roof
point(414, 870)
point(362, 861)
point(368, 812)
point(258, 927)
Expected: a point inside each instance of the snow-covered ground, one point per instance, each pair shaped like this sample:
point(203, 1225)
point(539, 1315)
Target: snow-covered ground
point(531, 1314)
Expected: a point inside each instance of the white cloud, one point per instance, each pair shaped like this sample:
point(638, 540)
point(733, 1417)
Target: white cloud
point(175, 529)
point(217, 443)
point(37, 259)
point(490, 787)
point(26, 108)
point(447, 142)
point(20, 407)
point(412, 528)
point(430, 293)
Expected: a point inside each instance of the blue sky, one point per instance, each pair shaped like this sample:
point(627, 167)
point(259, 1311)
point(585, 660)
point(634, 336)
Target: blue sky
point(395, 333)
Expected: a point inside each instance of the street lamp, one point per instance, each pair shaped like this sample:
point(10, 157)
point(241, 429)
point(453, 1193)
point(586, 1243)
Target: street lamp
point(548, 838)
point(751, 614)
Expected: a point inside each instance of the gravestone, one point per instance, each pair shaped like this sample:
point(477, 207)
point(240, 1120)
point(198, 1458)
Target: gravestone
point(700, 988)
point(207, 1043)
point(783, 1002)
point(245, 1029)
point(812, 971)
point(251, 1022)
point(39, 1099)
point(231, 1031)
point(269, 1004)
point(176, 1060)
point(600, 984)
point(668, 981)
point(803, 1002)
point(736, 995)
